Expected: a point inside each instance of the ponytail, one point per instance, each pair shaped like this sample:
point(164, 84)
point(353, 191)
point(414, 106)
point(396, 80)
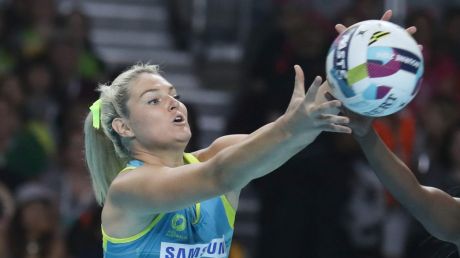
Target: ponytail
point(103, 163)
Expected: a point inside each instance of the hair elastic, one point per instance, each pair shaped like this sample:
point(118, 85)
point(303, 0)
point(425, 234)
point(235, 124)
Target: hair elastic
point(96, 112)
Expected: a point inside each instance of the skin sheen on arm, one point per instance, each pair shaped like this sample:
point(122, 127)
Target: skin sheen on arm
point(436, 210)
point(156, 189)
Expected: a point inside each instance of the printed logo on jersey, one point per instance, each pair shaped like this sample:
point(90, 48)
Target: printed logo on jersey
point(178, 222)
point(214, 249)
point(376, 36)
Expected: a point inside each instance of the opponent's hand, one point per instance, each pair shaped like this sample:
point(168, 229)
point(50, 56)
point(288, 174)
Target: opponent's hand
point(385, 17)
point(359, 124)
point(304, 115)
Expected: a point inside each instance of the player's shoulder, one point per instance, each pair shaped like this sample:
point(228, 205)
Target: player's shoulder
point(130, 177)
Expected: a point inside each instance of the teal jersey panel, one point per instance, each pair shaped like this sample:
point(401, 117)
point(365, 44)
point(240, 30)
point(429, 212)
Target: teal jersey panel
point(201, 230)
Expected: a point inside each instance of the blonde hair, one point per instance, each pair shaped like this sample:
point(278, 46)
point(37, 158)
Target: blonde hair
point(106, 152)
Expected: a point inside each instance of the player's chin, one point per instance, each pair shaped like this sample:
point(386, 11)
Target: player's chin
point(185, 133)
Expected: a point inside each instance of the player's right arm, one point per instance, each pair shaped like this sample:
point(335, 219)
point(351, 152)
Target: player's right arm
point(161, 189)
point(436, 210)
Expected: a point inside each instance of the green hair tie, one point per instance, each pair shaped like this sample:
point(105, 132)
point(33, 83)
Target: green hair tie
point(96, 112)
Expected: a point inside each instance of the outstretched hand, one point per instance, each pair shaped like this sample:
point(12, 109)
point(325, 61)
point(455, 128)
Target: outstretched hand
point(304, 115)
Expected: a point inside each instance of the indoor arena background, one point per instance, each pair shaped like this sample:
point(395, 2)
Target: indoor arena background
point(232, 62)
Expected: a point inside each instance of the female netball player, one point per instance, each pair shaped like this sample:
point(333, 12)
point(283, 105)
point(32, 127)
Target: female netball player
point(161, 202)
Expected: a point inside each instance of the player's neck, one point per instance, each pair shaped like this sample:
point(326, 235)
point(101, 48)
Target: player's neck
point(165, 158)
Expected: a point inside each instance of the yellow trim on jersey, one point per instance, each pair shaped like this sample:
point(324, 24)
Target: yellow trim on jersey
point(126, 169)
point(229, 211)
point(198, 213)
point(190, 158)
point(104, 243)
point(131, 238)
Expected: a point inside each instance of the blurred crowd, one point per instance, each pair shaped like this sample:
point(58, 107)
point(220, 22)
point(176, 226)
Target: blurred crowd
point(48, 73)
point(325, 202)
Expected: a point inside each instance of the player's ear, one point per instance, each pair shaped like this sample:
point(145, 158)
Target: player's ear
point(121, 126)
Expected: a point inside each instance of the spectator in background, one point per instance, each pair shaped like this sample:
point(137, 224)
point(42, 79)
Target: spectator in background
point(180, 21)
point(41, 108)
point(442, 58)
point(8, 136)
point(451, 27)
point(451, 159)
point(40, 50)
point(427, 26)
point(71, 87)
point(360, 10)
point(84, 236)
point(68, 175)
point(8, 60)
point(37, 25)
point(435, 118)
point(33, 232)
point(28, 142)
point(12, 89)
point(90, 67)
point(69, 179)
point(6, 213)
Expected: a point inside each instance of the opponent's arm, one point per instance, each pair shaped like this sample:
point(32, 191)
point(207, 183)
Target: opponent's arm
point(436, 210)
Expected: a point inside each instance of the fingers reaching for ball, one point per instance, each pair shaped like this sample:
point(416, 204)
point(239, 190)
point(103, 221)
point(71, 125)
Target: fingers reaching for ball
point(340, 28)
point(385, 17)
point(411, 30)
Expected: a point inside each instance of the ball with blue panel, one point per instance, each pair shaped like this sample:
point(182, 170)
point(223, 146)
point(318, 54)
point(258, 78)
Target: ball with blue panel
point(375, 68)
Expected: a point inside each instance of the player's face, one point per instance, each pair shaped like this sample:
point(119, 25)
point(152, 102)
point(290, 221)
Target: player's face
point(156, 116)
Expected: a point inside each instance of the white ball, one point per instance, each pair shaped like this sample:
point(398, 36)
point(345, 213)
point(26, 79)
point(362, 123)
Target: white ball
point(375, 68)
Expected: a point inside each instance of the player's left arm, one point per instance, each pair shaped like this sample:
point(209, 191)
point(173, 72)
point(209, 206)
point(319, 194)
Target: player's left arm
point(218, 145)
point(229, 140)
